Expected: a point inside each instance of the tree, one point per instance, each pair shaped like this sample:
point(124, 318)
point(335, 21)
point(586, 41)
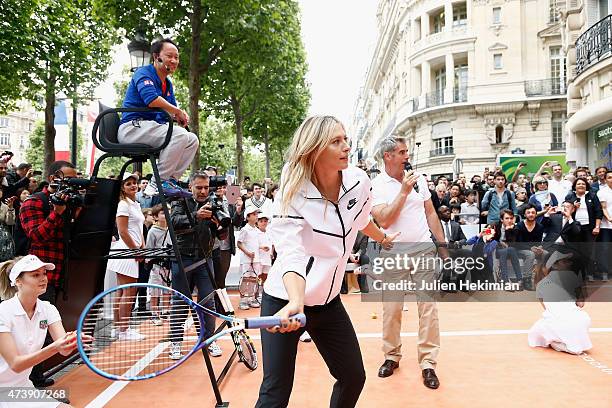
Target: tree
point(36, 144)
point(16, 50)
point(250, 74)
point(71, 52)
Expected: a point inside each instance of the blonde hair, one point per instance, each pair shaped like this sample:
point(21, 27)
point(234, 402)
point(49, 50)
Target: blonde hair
point(7, 291)
point(309, 141)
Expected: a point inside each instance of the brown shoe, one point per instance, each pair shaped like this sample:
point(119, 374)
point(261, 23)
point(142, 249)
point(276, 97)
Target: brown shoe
point(430, 379)
point(387, 368)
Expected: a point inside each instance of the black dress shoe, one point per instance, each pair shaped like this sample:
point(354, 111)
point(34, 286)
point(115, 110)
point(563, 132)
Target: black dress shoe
point(43, 382)
point(430, 379)
point(387, 368)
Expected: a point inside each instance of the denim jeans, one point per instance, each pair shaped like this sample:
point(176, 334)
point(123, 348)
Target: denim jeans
point(503, 254)
point(185, 283)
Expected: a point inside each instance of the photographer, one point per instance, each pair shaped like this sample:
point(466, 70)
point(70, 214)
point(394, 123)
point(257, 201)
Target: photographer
point(9, 184)
point(43, 224)
point(193, 222)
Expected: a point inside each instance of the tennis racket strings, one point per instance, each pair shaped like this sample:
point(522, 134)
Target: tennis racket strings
point(130, 345)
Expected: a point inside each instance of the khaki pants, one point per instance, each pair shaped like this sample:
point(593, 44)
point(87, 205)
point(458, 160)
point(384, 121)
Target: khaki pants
point(428, 344)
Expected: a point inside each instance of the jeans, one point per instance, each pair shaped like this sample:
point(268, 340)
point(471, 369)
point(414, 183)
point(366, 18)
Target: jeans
point(184, 283)
point(503, 254)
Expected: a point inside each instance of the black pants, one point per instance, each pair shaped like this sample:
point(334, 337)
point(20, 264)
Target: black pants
point(333, 334)
point(221, 261)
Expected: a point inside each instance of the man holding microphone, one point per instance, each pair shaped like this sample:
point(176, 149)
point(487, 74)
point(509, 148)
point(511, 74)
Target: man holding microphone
point(402, 203)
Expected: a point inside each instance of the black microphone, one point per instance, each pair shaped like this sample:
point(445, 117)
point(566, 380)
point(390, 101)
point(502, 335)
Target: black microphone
point(408, 167)
point(163, 65)
point(79, 182)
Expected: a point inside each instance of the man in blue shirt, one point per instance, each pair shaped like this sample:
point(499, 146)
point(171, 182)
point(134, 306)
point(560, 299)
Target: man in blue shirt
point(151, 87)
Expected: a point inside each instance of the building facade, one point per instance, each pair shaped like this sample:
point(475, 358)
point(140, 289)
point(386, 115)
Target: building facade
point(465, 79)
point(15, 130)
point(587, 42)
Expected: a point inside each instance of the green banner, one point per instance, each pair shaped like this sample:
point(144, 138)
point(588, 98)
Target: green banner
point(510, 163)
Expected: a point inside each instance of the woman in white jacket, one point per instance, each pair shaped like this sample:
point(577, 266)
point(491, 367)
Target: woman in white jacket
point(321, 205)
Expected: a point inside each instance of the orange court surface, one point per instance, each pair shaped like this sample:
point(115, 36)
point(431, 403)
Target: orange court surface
point(484, 361)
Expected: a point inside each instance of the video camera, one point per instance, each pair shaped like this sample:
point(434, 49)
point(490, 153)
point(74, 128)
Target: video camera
point(68, 191)
point(216, 203)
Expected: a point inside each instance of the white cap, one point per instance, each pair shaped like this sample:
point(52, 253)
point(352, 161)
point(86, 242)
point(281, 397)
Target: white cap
point(262, 215)
point(557, 256)
point(28, 263)
point(127, 175)
point(251, 210)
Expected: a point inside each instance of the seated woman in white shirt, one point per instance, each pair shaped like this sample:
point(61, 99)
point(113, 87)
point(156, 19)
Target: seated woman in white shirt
point(564, 326)
point(24, 322)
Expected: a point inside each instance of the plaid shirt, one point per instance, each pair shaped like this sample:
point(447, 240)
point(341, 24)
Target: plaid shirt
point(46, 235)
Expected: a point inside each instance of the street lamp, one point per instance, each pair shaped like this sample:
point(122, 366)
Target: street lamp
point(140, 51)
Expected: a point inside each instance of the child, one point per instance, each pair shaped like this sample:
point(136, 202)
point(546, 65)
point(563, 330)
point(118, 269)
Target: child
point(160, 273)
point(265, 250)
point(470, 207)
point(248, 243)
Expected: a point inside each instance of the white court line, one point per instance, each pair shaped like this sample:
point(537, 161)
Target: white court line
point(110, 392)
point(117, 386)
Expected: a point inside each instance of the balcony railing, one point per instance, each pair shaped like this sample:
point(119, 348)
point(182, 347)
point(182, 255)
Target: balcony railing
point(460, 94)
point(435, 98)
point(441, 151)
point(557, 146)
point(545, 87)
point(594, 44)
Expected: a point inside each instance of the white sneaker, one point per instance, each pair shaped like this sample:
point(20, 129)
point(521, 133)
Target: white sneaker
point(214, 349)
point(175, 351)
point(244, 304)
point(151, 189)
point(131, 335)
point(305, 337)
point(254, 303)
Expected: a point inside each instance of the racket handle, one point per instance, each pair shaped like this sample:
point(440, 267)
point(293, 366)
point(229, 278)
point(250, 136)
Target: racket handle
point(271, 321)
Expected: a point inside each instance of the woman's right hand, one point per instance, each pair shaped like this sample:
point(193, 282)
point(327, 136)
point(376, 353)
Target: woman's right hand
point(288, 325)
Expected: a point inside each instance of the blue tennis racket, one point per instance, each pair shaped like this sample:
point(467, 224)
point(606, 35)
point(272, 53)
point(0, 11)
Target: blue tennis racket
point(130, 347)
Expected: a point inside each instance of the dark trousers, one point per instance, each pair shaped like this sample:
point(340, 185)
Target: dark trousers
point(333, 334)
point(587, 250)
point(603, 250)
point(143, 277)
point(185, 283)
point(221, 261)
point(38, 370)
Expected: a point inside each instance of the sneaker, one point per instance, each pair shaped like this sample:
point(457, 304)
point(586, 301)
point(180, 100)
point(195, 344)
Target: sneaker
point(214, 349)
point(244, 304)
point(172, 190)
point(305, 337)
point(113, 333)
point(254, 304)
point(131, 335)
point(151, 189)
point(175, 351)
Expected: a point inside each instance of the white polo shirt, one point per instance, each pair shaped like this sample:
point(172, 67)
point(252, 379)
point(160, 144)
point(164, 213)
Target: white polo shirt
point(265, 257)
point(29, 335)
point(412, 221)
point(605, 196)
point(249, 237)
point(316, 237)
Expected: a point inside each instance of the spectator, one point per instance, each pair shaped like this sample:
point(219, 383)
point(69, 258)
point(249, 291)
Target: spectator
point(272, 192)
point(7, 220)
point(440, 197)
point(266, 249)
point(455, 195)
point(33, 185)
point(15, 174)
point(521, 201)
point(160, 269)
point(143, 200)
point(455, 238)
point(248, 243)
point(497, 199)
point(600, 182)
point(557, 185)
point(605, 198)
point(10, 189)
point(542, 199)
point(506, 235)
point(129, 226)
point(469, 209)
point(562, 228)
point(258, 200)
point(22, 281)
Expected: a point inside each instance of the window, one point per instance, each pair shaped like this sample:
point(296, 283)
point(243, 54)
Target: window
point(496, 15)
point(460, 91)
point(5, 139)
point(499, 134)
point(440, 80)
point(438, 22)
point(459, 14)
point(497, 61)
point(4, 122)
point(557, 70)
point(442, 135)
point(557, 130)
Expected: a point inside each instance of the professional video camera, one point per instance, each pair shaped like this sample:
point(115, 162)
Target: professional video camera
point(68, 191)
point(216, 203)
